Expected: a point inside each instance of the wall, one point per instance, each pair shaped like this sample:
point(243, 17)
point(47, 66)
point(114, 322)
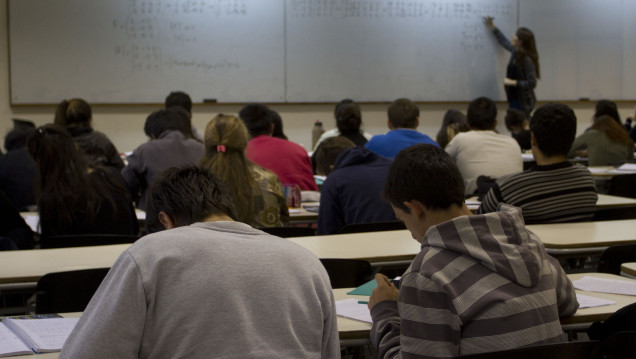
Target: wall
point(124, 123)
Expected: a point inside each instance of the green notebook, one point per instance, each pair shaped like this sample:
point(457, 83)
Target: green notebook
point(365, 289)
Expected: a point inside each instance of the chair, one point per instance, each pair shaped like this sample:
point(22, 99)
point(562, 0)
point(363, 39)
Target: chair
point(612, 258)
point(347, 273)
point(85, 240)
point(613, 214)
point(288, 232)
point(67, 291)
point(619, 345)
point(568, 350)
point(372, 227)
point(622, 185)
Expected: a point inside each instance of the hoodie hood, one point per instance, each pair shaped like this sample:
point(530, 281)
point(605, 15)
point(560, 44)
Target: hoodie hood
point(355, 156)
point(498, 241)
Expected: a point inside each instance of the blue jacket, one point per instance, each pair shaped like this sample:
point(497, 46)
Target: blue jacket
point(352, 192)
point(394, 141)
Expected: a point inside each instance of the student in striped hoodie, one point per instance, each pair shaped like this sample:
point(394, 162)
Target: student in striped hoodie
point(481, 283)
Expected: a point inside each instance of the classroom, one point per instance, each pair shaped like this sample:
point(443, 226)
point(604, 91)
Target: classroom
point(289, 78)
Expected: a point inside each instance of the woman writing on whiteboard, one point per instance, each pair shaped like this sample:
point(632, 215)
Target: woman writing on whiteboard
point(523, 68)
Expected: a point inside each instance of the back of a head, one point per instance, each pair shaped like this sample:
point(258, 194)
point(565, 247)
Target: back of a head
point(257, 118)
point(614, 131)
point(607, 108)
point(454, 118)
point(161, 121)
point(514, 120)
point(425, 173)
point(226, 131)
point(482, 114)
point(348, 118)
point(327, 152)
point(179, 98)
point(17, 138)
point(185, 123)
point(529, 47)
point(73, 112)
point(55, 152)
point(342, 102)
point(187, 195)
point(403, 113)
point(554, 129)
point(278, 125)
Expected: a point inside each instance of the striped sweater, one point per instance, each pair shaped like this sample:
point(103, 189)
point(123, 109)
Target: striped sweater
point(481, 283)
point(546, 194)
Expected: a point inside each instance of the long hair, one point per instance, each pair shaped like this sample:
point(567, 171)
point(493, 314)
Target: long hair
point(528, 48)
point(453, 119)
point(65, 187)
point(613, 130)
point(73, 112)
point(225, 141)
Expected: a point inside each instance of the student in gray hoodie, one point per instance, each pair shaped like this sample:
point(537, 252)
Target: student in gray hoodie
point(481, 283)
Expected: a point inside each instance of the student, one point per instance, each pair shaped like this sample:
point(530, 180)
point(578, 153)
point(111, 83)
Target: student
point(76, 116)
point(182, 100)
point(168, 147)
point(481, 283)
point(606, 143)
point(517, 124)
point(351, 192)
point(403, 121)
point(278, 126)
point(351, 126)
point(454, 122)
point(288, 160)
point(258, 194)
point(18, 171)
point(74, 197)
point(554, 190)
point(482, 151)
point(523, 68)
point(207, 286)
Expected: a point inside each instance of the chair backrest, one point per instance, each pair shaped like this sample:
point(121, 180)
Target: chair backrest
point(287, 232)
point(347, 273)
point(619, 345)
point(67, 291)
point(85, 240)
point(612, 258)
point(613, 214)
point(569, 350)
point(622, 185)
point(623, 320)
point(372, 227)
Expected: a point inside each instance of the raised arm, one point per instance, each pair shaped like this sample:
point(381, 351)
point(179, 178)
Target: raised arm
point(503, 41)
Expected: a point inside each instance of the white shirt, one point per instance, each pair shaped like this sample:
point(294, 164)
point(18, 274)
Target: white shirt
point(486, 153)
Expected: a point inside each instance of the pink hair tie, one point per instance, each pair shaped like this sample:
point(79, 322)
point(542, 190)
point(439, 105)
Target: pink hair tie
point(220, 148)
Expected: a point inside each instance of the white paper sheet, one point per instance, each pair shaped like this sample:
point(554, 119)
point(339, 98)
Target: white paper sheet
point(350, 308)
point(586, 301)
point(603, 285)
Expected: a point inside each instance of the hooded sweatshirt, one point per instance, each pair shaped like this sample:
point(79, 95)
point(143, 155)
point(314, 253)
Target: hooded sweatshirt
point(481, 283)
point(351, 193)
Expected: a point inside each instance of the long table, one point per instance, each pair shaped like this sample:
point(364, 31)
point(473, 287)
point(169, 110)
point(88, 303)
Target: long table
point(356, 332)
point(604, 201)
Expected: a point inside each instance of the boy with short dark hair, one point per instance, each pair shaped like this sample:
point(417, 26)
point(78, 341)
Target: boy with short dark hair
point(554, 190)
point(403, 120)
point(481, 283)
point(207, 286)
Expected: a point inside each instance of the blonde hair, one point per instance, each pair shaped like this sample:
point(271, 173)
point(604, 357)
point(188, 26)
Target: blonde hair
point(225, 141)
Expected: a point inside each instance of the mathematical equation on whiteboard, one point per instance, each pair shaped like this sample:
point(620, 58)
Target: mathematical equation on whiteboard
point(150, 23)
point(377, 9)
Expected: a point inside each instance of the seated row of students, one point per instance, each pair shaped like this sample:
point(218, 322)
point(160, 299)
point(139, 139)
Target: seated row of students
point(220, 264)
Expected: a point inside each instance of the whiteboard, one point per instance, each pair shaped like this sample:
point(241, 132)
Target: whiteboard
point(377, 50)
point(586, 47)
point(137, 51)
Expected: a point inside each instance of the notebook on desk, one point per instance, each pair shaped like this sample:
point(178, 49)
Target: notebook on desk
point(27, 335)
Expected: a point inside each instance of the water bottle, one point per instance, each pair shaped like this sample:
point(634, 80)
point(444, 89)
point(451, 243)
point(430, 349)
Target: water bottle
point(316, 132)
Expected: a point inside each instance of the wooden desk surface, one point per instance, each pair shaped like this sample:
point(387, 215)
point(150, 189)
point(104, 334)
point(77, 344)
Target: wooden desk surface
point(370, 246)
point(353, 329)
point(585, 234)
point(604, 201)
point(629, 268)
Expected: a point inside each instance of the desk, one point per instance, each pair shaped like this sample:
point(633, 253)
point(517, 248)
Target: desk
point(584, 237)
point(608, 171)
point(629, 269)
point(603, 201)
point(302, 215)
point(353, 329)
